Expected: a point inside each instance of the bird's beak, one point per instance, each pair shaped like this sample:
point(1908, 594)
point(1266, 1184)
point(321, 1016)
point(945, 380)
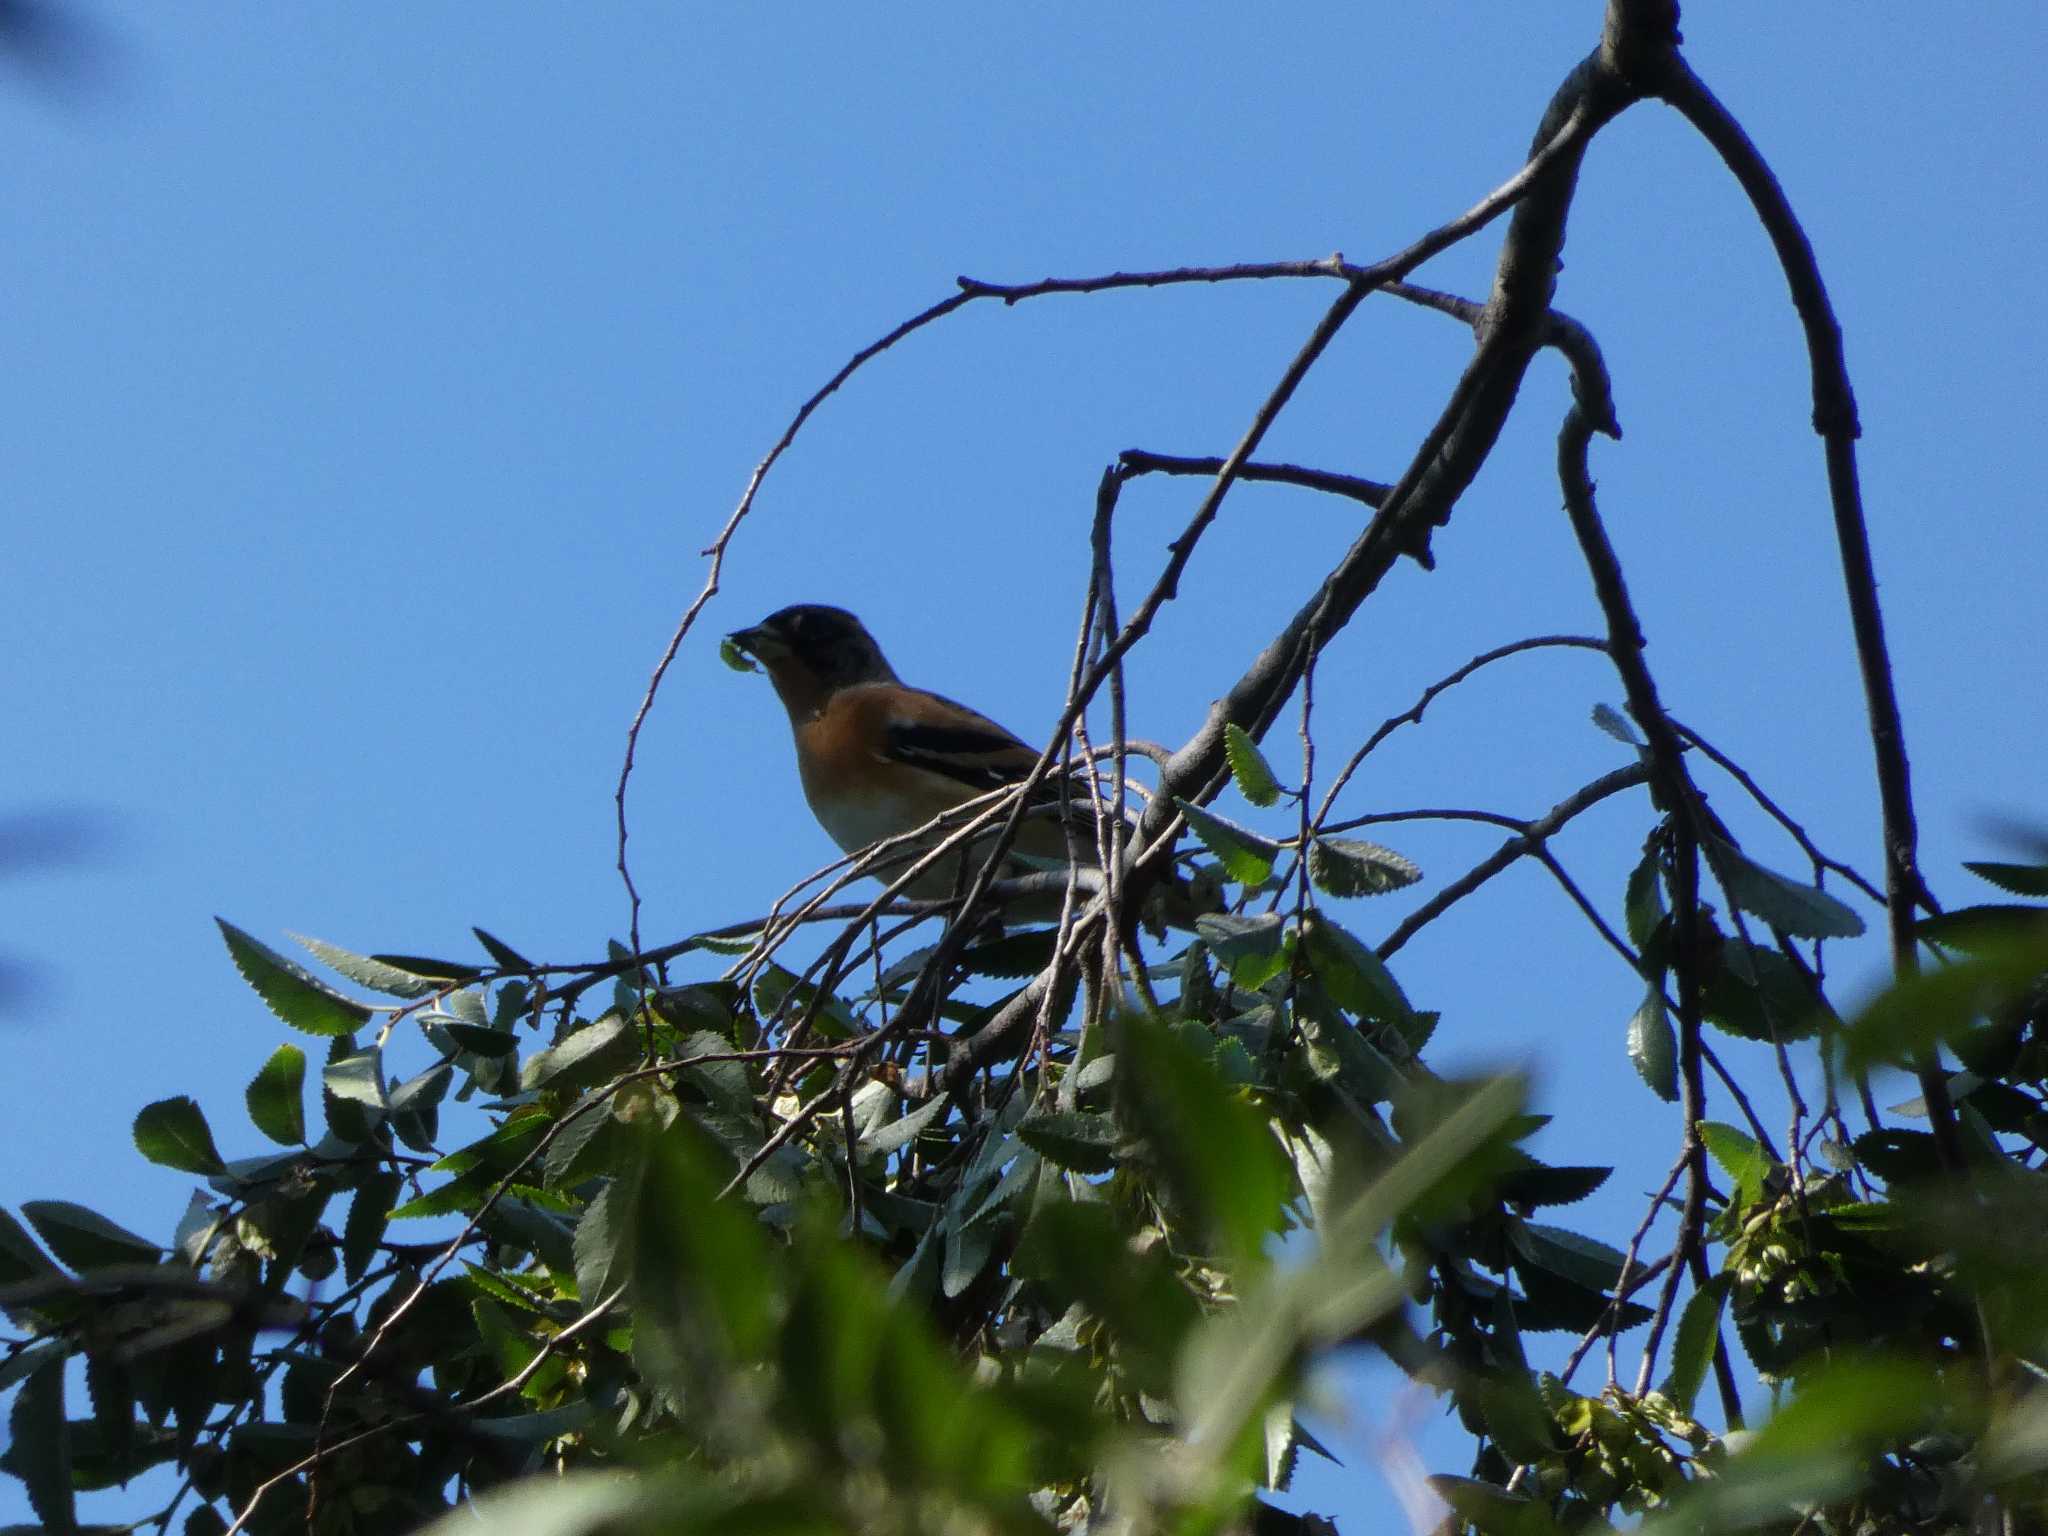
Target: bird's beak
point(759, 642)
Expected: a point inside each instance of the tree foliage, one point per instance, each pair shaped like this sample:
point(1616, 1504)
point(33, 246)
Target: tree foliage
point(875, 1214)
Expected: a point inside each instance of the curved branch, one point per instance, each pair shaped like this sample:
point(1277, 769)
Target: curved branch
point(1526, 841)
point(1835, 419)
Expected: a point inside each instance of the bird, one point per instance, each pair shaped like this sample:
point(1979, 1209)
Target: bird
point(879, 758)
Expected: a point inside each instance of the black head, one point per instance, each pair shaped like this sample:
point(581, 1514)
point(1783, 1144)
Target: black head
point(829, 644)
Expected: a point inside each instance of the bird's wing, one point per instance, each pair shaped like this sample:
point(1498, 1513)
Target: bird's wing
point(938, 735)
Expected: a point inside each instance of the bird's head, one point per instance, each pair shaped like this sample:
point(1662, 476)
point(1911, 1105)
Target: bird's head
point(811, 651)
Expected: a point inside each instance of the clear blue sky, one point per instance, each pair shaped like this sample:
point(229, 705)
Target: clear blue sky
point(370, 378)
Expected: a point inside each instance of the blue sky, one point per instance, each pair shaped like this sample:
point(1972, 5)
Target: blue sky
point(373, 377)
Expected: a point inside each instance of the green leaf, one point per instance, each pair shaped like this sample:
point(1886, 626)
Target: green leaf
point(1758, 994)
point(1643, 908)
point(702, 1276)
point(1355, 977)
point(84, 1239)
point(1345, 866)
point(1515, 1416)
point(289, 990)
point(367, 971)
point(1493, 1509)
point(1250, 948)
point(1080, 1252)
point(903, 1130)
point(1570, 1255)
point(1812, 1449)
point(173, 1134)
point(1805, 911)
point(1239, 1361)
point(1248, 766)
point(1246, 857)
point(1538, 1184)
point(2020, 879)
point(369, 1212)
point(20, 1258)
point(41, 1451)
point(1897, 1155)
point(460, 972)
point(1079, 1140)
point(1982, 929)
point(1741, 1157)
point(1692, 1347)
point(1338, 1051)
point(357, 1078)
point(507, 957)
point(482, 1039)
point(574, 1504)
point(588, 1056)
point(276, 1097)
point(1916, 1014)
point(1653, 1047)
point(1615, 724)
point(463, 1194)
point(1212, 1146)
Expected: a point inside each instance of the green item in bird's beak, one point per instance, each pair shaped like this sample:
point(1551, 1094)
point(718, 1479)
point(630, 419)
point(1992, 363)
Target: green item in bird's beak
point(733, 656)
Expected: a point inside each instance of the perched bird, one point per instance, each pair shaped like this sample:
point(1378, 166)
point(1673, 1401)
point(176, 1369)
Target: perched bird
point(879, 758)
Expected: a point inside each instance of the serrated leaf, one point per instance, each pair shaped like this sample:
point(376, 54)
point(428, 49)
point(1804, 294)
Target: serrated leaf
point(1692, 1347)
point(1805, 911)
point(1758, 994)
point(1346, 866)
point(289, 990)
point(572, 1140)
point(1653, 1047)
point(423, 1090)
point(462, 1194)
point(2020, 879)
point(20, 1258)
point(369, 1212)
point(1250, 948)
point(276, 1097)
point(367, 970)
point(84, 1238)
point(900, 1132)
point(357, 1078)
point(1615, 724)
point(1983, 929)
point(1570, 1255)
point(1336, 1050)
point(1540, 1184)
point(1354, 976)
point(173, 1133)
point(1078, 1140)
point(40, 1453)
point(1944, 1003)
point(1246, 857)
point(1741, 1157)
point(586, 1056)
point(1248, 766)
